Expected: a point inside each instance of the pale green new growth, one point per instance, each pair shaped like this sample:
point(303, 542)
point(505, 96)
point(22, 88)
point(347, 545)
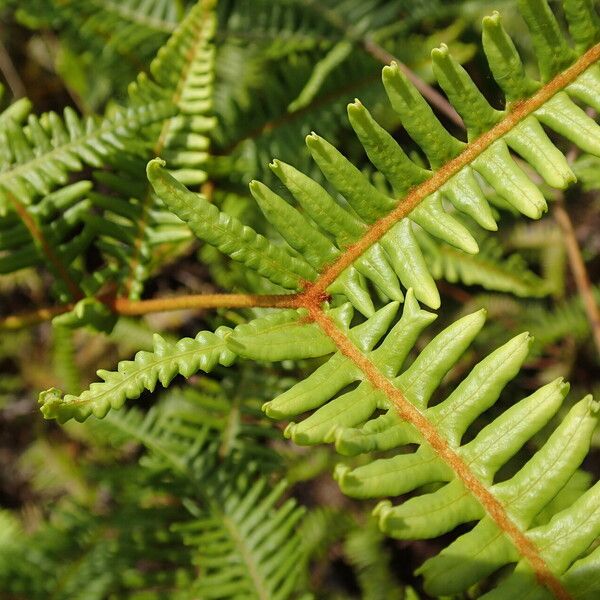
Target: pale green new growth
point(166, 361)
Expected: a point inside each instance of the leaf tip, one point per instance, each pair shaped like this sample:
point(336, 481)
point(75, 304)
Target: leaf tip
point(49, 401)
point(155, 165)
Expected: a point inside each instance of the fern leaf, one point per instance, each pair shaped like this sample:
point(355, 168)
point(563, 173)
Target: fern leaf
point(452, 417)
point(40, 155)
point(367, 395)
point(505, 511)
point(166, 361)
point(245, 542)
point(228, 234)
point(108, 42)
point(488, 268)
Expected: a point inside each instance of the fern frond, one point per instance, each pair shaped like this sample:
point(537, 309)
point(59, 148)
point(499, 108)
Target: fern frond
point(245, 542)
point(109, 41)
point(39, 156)
point(48, 233)
point(147, 369)
point(488, 269)
point(254, 126)
point(372, 218)
point(46, 225)
point(363, 398)
point(242, 538)
point(505, 510)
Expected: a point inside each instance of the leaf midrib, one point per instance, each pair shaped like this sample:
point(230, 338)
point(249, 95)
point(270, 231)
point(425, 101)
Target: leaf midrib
point(410, 413)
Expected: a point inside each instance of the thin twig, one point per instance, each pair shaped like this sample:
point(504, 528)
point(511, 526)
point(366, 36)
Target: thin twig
point(379, 53)
point(580, 274)
point(10, 73)
point(33, 317)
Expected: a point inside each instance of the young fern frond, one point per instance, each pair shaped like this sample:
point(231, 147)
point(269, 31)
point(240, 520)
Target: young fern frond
point(186, 357)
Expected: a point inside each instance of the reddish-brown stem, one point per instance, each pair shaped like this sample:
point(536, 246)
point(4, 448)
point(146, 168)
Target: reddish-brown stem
point(474, 149)
point(124, 306)
point(411, 413)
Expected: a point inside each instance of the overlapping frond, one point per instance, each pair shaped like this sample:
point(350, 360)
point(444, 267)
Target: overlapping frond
point(37, 157)
point(53, 223)
point(47, 220)
point(132, 224)
point(104, 42)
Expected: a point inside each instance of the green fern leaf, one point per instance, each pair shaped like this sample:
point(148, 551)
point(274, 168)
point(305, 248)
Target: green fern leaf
point(166, 361)
point(367, 395)
point(506, 510)
point(40, 155)
point(133, 224)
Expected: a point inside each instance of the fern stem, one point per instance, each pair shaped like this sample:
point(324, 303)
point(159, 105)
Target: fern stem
point(46, 247)
point(124, 306)
point(33, 317)
point(417, 194)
